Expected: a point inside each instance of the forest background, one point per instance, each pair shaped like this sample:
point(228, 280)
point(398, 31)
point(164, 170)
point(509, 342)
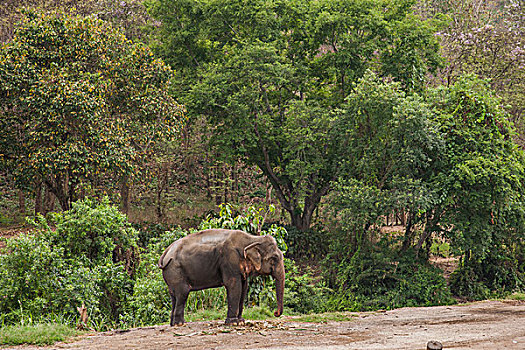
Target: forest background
point(369, 137)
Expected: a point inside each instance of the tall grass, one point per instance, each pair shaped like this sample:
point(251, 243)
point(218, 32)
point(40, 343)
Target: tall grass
point(214, 298)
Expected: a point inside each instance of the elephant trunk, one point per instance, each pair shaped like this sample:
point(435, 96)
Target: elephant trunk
point(278, 275)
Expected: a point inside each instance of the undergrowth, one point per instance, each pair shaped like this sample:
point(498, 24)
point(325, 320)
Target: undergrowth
point(36, 334)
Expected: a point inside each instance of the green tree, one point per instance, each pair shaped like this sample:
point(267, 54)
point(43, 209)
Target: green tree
point(270, 76)
point(479, 176)
point(79, 101)
point(128, 15)
point(452, 163)
point(485, 38)
point(395, 142)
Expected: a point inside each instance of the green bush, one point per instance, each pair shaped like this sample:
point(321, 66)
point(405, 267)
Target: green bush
point(85, 255)
point(494, 276)
point(302, 293)
point(381, 278)
point(36, 280)
point(150, 302)
point(464, 282)
point(91, 230)
point(419, 285)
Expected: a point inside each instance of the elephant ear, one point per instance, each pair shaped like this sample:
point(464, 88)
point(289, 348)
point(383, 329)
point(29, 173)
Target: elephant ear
point(252, 254)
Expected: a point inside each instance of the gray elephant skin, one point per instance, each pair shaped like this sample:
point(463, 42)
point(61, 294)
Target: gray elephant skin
point(215, 258)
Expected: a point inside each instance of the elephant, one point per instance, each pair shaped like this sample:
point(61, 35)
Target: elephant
point(219, 257)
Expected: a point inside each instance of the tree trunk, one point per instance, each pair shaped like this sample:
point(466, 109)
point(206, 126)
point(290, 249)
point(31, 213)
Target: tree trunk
point(38, 197)
point(226, 182)
point(301, 221)
point(217, 187)
point(21, 202)
point(49, 201)
point(402, 216)
point(235, 183)
point(409, 235)
point(124, 194)
point(64, 202)
point(431, 220)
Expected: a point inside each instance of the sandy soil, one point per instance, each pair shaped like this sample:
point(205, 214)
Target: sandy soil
point(481, 325)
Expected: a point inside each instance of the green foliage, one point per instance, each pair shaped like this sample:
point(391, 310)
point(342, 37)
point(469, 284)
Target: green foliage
point(465, 282)
point(93, 230)
point(128, 15)
point(307, 244)
point(378, 277)
point(79, 101)
point(479, 180)
point(303, 294)
point(450, 163)
point(440, 248)
point(394, 142)
point(26, 287)
point(421, 285)
point(88, 258)
point(494, 276)
point(517, 296)
point(37, 334)
point(271, 75)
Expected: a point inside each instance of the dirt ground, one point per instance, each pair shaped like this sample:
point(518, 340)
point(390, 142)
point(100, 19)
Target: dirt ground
point(481, 325)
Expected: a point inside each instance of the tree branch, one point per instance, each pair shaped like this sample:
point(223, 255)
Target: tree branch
point(267, 168)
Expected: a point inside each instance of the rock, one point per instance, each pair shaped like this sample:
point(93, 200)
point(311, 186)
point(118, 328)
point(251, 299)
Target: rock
point(434, 345)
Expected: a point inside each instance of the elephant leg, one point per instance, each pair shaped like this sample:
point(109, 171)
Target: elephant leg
point(181, 295)
point(243, 298)
point(173, 303)
point(234, 291)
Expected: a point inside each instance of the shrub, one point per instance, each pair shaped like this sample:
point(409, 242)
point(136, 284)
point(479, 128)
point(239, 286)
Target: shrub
point(92, 230)
point(379, 277)
point(309, 244)
point(420, 285)
point(150, 302)
point(464, 282)
point(35, 279)
point(88, 257)
point(302, 293)
point(496, 275)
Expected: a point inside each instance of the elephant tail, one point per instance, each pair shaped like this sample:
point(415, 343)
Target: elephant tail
point(163, 264)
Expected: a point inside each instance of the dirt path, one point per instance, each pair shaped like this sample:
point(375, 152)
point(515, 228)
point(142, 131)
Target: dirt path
point(482, 325)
